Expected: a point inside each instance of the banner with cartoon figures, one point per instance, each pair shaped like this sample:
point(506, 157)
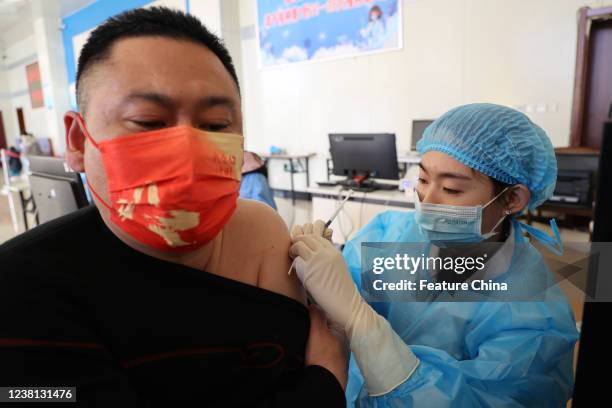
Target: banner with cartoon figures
point(308, 30)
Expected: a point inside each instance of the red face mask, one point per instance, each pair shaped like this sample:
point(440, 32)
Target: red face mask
point(172, 189)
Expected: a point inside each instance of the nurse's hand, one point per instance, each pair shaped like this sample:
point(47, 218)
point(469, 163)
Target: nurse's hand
point(323, 272)
point(327, 346)
point(317, 228)
point(383, 358)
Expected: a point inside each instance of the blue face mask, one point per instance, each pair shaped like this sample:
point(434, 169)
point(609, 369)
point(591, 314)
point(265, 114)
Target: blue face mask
point(441, 223)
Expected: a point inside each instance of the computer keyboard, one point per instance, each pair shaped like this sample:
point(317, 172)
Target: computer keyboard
point(327, 183)
point(368, 186)
point(385, 186)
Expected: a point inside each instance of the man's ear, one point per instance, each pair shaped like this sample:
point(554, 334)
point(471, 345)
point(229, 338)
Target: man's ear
point(75, 142)
point(518, 198)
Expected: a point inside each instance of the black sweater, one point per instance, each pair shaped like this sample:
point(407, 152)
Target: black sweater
point(80, 308)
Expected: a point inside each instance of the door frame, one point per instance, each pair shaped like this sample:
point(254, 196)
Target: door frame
point(586, 16)
point(3, 141)
point(21, 120)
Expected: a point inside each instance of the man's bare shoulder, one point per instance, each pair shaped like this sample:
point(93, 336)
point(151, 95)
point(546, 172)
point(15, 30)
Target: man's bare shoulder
point(261, 229)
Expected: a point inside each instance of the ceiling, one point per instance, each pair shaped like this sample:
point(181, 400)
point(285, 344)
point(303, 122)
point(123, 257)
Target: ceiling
point(16, 11)
point(11, 11)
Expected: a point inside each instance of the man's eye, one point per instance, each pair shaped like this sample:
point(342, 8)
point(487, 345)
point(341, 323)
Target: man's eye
point(451, 191)
point(422, 181)
point(150, 124)
point(214, 127)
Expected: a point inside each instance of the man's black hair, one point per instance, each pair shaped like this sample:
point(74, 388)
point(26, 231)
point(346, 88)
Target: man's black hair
point(143, 22)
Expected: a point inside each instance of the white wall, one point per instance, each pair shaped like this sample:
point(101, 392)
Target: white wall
point(6, 107)
point(209, 12)
point(20, 50)
point(230, 32)
point(519, 53)
point(50, 50)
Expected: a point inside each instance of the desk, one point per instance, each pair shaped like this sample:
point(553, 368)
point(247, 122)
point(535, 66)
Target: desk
point(19, 187)
point(568, 209)
point(358, 211)
point(292, 158)
point(564, 209)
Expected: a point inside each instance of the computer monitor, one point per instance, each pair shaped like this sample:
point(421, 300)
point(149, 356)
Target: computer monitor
point(53, 166)
point(364, 155)
point(418, 127)
point(56, 189)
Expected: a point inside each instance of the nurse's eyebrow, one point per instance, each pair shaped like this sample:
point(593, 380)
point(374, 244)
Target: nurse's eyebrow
point(448, 174)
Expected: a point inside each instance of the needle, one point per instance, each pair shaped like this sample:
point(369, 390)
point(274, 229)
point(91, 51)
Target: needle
point(331, 219)
point(335, 214)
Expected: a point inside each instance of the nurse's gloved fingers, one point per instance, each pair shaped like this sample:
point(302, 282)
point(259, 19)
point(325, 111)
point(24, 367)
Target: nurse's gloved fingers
point(300, 268)
point(300, 249)
point(328, 234)
point(307, 228)
point(297, 230)
point(322, 242)
point(313, 242)
point(318, 227)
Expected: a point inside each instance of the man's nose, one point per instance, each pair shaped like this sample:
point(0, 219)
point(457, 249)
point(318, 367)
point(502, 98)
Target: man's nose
point(186, 120)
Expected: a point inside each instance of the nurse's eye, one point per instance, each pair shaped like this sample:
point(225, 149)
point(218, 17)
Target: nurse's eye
point(451, 191)
point(422, 180)
point(150, 124)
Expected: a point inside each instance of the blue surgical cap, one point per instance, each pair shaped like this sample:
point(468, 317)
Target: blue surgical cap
point(498, 141)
